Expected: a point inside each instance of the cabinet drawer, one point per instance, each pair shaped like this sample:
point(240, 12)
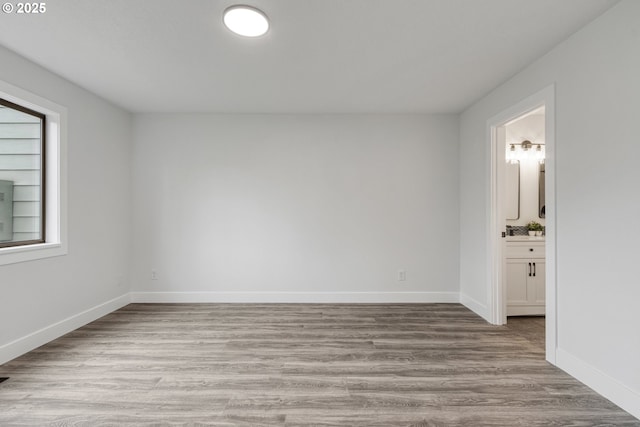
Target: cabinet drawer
point(525, 250)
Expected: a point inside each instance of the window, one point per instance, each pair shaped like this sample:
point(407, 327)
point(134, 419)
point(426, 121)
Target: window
point(22, 175)
point(33, 176)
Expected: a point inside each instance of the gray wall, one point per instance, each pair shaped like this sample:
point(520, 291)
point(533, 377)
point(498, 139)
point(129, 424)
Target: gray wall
point(44, 292)
point(597, 91)
point(308, 207)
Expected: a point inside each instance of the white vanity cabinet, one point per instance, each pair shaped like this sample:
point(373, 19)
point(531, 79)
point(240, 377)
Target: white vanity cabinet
point(525, 278)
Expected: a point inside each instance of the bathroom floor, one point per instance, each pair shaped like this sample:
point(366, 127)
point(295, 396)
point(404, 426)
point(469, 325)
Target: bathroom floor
point(529, 327)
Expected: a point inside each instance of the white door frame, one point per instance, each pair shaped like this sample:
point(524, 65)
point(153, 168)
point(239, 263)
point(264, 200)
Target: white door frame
point(495, 138)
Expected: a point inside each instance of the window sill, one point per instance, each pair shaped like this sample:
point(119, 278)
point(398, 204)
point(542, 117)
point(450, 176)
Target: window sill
point(13, 255)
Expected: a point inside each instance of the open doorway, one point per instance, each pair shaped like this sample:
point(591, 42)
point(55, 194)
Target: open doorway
point(524, 209)
point(522, 267)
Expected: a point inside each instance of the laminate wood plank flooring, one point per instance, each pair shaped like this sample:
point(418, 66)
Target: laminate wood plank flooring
point(297, 365)
point(530, 328)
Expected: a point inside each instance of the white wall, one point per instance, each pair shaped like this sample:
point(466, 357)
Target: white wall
point(266, 207)
point(597, 91)
point(39, 294)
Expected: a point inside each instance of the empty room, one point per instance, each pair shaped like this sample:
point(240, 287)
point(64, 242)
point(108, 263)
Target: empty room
point(312, 212)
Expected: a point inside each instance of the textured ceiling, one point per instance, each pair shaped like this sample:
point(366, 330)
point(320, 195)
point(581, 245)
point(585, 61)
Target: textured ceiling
point(320, 56)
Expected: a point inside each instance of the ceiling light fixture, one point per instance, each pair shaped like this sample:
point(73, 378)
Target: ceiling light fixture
point(246, 21)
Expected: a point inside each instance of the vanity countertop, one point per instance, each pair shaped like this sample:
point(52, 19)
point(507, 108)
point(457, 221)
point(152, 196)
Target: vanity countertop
point(525, 238)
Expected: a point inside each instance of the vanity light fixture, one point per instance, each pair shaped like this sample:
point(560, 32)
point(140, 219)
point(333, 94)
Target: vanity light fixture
point(526, 145)
point(246, 21)
point(525, 151)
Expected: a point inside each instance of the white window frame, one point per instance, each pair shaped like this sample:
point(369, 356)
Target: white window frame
point(55, 239)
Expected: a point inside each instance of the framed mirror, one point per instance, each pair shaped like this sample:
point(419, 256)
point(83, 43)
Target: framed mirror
point(541, 202)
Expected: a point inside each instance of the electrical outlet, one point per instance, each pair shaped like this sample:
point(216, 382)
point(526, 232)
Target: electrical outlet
point(402, 275)
point(154, 275)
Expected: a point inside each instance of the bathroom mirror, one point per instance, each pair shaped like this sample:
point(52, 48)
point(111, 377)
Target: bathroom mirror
point(513, 191)
point(541, 202)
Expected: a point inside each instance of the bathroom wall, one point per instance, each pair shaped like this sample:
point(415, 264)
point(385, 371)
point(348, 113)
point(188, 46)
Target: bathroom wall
point(531, 128)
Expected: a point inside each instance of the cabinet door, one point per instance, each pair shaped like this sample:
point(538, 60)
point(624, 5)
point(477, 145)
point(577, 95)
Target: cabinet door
point(517, 275)
point(537, 282)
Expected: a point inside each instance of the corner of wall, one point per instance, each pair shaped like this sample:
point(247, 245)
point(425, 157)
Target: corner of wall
point(474, 305)
point(609, 387)
point(38, 338)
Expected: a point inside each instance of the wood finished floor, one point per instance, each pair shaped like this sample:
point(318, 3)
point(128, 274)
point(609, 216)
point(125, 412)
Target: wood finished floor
point(297, 365)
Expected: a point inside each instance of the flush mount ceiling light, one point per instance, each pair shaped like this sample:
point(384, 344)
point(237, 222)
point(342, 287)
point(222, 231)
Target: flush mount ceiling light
point(246, 21)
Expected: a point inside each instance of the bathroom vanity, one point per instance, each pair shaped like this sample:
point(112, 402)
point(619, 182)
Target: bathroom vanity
point(525, 275)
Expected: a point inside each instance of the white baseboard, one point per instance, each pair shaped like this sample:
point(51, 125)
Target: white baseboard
point(474, 305)
point(295, 297)
point(601, 383)
point(34, 340)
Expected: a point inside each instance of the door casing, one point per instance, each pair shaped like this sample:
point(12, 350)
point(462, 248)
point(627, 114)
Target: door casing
point(496, 140)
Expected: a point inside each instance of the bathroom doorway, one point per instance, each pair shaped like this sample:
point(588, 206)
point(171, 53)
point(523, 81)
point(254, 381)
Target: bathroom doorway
point(524, 251)
point(532, 258)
